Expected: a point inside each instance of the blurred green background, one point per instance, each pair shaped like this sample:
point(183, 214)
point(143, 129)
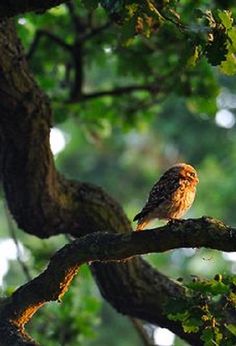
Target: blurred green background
point(124, 144)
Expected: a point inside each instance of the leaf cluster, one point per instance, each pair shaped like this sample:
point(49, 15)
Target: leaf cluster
point(210, 301)
point(207, 32)
point(160, 48)
point(215, 39)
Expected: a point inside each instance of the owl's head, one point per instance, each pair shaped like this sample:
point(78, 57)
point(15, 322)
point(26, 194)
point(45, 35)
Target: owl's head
point(185, 171)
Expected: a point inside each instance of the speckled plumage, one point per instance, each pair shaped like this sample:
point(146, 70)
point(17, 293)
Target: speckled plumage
point(171, 197)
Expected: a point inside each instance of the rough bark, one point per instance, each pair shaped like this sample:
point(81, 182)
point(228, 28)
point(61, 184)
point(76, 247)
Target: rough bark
point(51, 285)
point(44, 203)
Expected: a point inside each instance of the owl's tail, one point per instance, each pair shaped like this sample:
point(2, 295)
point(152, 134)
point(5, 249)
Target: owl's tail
point(143, 220)
point(142, 223)
point(140, 226)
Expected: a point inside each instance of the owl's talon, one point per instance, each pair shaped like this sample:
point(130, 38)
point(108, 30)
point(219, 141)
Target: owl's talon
point(174, 221)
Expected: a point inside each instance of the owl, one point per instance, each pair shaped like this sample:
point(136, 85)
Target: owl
point(171, 197)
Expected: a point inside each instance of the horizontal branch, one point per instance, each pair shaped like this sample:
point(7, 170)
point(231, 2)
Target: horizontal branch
point(13, 8)
point(152, 88)
point(100, 246)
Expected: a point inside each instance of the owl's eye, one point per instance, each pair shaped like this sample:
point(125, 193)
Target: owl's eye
point(191, 174)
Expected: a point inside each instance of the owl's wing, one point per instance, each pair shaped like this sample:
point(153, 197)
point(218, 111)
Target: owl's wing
point(160, 192)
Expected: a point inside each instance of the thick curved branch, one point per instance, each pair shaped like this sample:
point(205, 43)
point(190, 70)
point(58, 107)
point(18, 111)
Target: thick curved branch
point(10, 335)
point(100, 246)
point(13, 8)
point(103, 247)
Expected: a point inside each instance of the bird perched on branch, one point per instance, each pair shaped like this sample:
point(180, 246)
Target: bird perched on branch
point(171, 197)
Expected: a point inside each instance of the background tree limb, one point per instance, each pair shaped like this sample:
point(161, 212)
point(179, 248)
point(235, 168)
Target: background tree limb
point(12, 8)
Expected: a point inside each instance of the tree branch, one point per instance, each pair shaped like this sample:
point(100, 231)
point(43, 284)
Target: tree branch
point(100, 246)
point(44, 33)
point(13, 8)
point(83, 30)
point(78, 25)
point(10, 335)
point(153, 88)
point(95, 31)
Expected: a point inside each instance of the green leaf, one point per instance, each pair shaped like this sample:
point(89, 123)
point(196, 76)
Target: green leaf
point(128, 31)
point(226, 18)
point(232, 298)
point(194, 57)
point(178, 316)
point(176, 306)
point(218, 288)
point(192, 325)
point(209, 286)
point(218, 336)
point(228, 67)
point(232, 36)
point(208, 337)
point(231, 328)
